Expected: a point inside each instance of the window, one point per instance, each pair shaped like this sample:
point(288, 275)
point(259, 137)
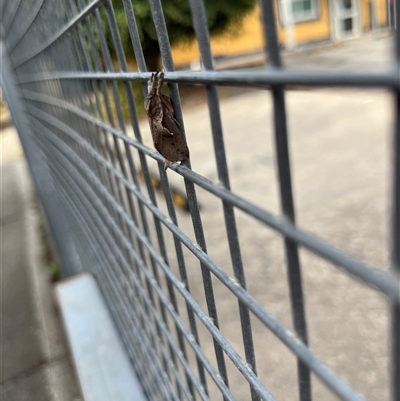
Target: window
point(347, 25)
point(300, 10)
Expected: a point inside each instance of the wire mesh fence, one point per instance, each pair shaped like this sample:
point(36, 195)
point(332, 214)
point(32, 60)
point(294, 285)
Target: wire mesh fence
point(192, 329)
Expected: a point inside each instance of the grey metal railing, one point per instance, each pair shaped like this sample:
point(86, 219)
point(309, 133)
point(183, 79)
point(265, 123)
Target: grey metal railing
point(62, 88)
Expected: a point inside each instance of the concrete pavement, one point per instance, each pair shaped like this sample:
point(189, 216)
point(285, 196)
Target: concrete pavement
point(35, 363)
point(372, 52)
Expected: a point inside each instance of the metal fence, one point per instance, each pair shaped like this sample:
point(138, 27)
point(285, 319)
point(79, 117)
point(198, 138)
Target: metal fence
point(66, 96)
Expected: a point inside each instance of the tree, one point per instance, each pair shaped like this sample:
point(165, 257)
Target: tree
point(221, 14)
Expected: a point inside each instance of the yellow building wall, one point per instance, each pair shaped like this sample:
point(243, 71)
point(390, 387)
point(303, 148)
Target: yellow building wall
point(250, 37)
point(310, 31)
point(380, 11)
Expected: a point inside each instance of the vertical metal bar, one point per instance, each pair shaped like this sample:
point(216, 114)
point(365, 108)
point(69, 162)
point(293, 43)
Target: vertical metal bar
point(97, 62)
point(10, 18)
point(200, 26)
point(83, 201)
point(40, 172)
point(119, 278)
point(165, 48)
point(94, 201)
point(103, 173)
point(123, 260)
point(3, 5)
point(115, 187)
point(27, 22)
point(121, 121)
point(121, 59)
point(396, 257)
point(147, 176)
point(183, 272)
point(78, 62)
point(117, 102)
point(12, 41)
point(109, 66)
point(287, 204)
point(135, 39)
point(128, 89)
point(79, 201)
point(132, 209)
point(98, 65)
point(395, 379)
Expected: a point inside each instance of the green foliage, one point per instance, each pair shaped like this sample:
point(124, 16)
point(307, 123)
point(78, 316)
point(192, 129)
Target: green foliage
point(221, 14)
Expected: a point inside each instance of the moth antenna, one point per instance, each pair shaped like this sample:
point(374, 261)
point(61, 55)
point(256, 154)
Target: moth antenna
point(150, 83)
point(160, 79)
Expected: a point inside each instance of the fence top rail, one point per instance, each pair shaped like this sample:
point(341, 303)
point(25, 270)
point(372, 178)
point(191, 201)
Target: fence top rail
point(250, 78)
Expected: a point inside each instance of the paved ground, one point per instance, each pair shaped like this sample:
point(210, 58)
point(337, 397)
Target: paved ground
point(340, 147)
point(371, 53)
point(340, 143)
point(35, 364)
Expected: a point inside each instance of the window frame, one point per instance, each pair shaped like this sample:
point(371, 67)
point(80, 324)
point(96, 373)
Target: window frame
point(314, 15)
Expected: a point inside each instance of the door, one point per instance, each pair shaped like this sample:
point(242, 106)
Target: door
point(346, 18)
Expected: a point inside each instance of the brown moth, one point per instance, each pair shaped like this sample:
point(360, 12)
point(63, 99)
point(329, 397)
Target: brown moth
point(167, 135)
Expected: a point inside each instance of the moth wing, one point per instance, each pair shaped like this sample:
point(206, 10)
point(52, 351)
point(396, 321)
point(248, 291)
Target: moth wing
point(168, 137)
point(166, 102)
point(173, 148)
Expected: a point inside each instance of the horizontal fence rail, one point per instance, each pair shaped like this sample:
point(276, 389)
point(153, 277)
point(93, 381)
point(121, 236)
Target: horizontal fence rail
point(77, 106)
